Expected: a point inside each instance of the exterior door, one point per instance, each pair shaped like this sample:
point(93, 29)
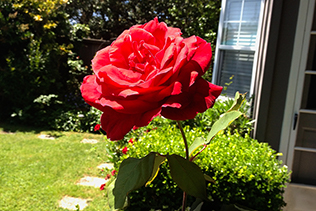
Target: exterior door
point(304, 158)
point(298, 141)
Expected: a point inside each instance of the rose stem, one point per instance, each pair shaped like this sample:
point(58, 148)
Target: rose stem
point(192, 158)
point(187, 157)
point(185, 141)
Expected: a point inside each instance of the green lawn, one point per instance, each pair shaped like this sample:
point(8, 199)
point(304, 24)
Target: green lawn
point(36, 173)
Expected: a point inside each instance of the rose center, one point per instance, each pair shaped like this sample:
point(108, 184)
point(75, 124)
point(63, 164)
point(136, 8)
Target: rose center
point(142, 60)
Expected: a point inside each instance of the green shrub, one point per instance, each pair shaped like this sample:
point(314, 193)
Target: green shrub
point(245, 172)
point(205, 120)
point(39, 60)
point(78, 121)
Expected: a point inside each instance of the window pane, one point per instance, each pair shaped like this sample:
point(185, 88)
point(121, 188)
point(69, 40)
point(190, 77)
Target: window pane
point(233, 10)
point(235, 72)
point(251, 10)
point(240, 24)
point(231, 34)
point(248, 34)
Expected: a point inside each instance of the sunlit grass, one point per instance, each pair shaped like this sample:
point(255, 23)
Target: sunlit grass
point(36, 173)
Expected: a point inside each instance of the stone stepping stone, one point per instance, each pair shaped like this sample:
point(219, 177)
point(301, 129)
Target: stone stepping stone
point(44, 136)
point(91, 181)
point(106, 166)
point(70, 203)
point(89, 141)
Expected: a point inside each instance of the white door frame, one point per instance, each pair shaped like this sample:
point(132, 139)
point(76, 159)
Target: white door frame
point(296, 80)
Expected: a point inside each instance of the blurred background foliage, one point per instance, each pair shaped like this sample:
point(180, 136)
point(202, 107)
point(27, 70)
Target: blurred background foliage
point(40, 70)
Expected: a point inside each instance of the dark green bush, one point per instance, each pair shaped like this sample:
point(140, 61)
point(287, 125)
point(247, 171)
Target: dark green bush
point(78, 121)
point(39, 60)
point(246, 172)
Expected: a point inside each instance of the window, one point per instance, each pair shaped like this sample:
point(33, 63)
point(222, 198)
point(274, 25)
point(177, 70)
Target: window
point(237, 45)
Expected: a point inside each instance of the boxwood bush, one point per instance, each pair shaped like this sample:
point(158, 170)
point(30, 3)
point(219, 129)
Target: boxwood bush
point(245, 171)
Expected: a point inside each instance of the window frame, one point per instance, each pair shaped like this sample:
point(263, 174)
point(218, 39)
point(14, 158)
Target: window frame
point(220, 48)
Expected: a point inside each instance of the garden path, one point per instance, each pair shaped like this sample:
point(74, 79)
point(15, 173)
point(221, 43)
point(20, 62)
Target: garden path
point(71, 203)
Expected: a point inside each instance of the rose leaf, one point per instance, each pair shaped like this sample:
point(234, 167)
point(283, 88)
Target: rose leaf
point(188, 176)
point(133, 174)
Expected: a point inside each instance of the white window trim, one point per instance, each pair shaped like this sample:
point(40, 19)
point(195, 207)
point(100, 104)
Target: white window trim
point(219, 47)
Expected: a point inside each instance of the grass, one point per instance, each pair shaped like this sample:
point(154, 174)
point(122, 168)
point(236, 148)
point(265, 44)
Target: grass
point(36, 173)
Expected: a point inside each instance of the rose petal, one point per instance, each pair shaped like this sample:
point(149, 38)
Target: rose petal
point(201, 96)
point(138, 35)
point(101, 59)
point(158, 30)
point(119, 51)
point(116, 125)
point(177, 88)
point(89, 91)
point(127, 92)
point(145, 118)
point(203, 54)
point(119, 77)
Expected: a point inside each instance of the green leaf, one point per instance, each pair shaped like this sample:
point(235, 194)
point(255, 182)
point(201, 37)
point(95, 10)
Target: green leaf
point(197, 205)
point(188, 176)
point(110, 200)
point(158, 160)
point(199, 141)
point(222, 123)
point(208, 178)
point(239, 99)
point(133, 174)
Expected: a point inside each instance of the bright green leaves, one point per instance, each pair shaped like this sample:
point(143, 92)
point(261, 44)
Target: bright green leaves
point(238, 101)
point(158, 160)
point(227, 118)
point(133, 174)
point(222, 123)
point(199, 141)
point(188, 176)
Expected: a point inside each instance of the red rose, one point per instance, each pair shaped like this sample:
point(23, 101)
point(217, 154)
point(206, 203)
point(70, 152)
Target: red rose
point(131, 141)
point(108, 176)
point(102, 186)
point(149, 70)
point(97, 127)
point(124, 150)
point(113, 172)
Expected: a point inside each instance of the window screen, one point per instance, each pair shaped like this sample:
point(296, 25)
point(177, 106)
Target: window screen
point(236, 71)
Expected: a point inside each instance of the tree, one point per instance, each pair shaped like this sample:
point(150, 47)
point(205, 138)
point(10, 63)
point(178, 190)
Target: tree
point(108, 18)
point(38, 39)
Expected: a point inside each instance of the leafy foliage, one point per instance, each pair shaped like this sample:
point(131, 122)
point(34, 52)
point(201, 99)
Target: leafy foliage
point(107, 19)
point(246, 172)
point(243, 171)
point(205, 120)
point(41, 39)
point(39, 59)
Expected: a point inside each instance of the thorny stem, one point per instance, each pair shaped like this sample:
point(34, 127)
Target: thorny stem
point(184, 201)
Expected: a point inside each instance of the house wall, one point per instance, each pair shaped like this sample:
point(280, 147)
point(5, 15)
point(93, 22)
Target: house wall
point(273, 73)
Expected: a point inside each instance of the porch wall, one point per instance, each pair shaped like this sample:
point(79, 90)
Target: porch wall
point(274, 73)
